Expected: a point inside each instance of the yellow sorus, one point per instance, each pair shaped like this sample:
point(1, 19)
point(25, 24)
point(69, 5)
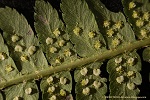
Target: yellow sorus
point(131, 86)
point(2, 56)
point(18, 48)
point(16, 98)
point(28, 91)
point(146, 16)
point(24, 58)
point(8, 68)
point(58, 61)
point(61, 43)
point(97, 84)
point(86, 91)
point(52, 49)
point(77, 30)
point(130, 73)
point(51, 89)
point(132, 5)
point(131, 61)
point(115, 42)
point(118, 25)
point(97, 44)
point(118, 60)
point(67, 53)
point(83, 71)
point(15, 38)
point(139, 23)
point(56, 32)
point(106, 23)
point(53, 97)
point(143, 33)
point(91, 34)
point(50, 80)
point(62, 92)
point(63, 80)
point(120, 79)
point(31, 50)
point(110, 32)
point(135, 14)
point(49, 41)
point(84, 82)
point(119, 69)
point(96, 72)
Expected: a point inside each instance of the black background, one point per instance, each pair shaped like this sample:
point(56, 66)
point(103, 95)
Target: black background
point(26, 7)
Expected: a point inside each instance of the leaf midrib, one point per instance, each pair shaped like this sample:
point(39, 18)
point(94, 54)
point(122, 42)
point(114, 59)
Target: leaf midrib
point(78, 63)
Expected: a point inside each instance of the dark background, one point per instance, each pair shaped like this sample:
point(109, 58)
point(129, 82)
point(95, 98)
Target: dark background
point(26, 7)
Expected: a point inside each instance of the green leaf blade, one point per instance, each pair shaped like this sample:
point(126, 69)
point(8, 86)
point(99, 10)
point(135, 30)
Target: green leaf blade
point(113, 26)
point(8, 68)
point(79, 16)
point(146, 54)
point(22, 91)
point(119, 87)
point(59, 51)
point(1, 96)
point(9, 72)
point(96, 93)
point(47, 86)
point(22, 42)
point(137, 12)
